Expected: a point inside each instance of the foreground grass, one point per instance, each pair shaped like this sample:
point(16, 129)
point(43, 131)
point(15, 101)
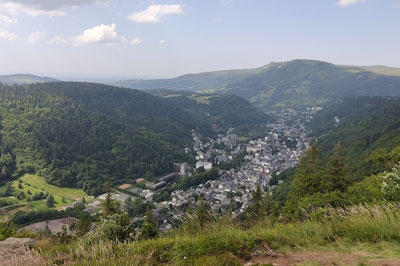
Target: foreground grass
point(373, 230)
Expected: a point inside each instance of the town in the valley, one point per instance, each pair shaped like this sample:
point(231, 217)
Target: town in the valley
point(241, 165)
point(279, 149)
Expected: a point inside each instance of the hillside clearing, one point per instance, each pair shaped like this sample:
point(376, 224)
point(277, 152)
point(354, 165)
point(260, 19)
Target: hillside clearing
point(37, 184)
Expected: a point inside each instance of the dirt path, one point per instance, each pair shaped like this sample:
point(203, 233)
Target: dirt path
point(323, 259)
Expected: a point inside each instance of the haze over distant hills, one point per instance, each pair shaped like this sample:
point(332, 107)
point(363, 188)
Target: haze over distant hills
point(292, 84)
point(24, 79)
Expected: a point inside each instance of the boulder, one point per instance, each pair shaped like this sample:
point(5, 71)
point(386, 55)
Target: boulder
point(13, 243)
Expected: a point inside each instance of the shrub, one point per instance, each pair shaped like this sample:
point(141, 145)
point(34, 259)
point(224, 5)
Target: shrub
point(7, 230)
point(391, 184)
point(63, 237)
point(114, 227)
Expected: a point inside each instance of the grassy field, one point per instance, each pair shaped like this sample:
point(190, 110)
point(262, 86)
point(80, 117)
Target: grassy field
point(360, 235)
point(36, 184)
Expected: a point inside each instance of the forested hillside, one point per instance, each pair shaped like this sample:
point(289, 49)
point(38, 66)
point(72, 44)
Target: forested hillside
point(82, 134)
point(224, 110)
point(369, 130)
point(356, 140)
point(79, 134)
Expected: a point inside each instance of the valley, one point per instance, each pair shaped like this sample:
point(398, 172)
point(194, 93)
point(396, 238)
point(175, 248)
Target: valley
point(167, 163)
point(199, 133)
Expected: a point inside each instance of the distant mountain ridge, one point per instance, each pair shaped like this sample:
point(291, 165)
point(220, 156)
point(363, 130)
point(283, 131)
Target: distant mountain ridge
point(191, 82)
point(20, 79)
point(294, 84)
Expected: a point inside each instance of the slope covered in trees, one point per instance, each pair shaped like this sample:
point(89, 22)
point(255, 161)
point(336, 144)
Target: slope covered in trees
point(356, 141)
point(82, 134)
point(78, 134)
point(367, 127)
point(224, 110)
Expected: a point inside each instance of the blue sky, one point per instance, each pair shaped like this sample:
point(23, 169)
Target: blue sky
point(105, 39)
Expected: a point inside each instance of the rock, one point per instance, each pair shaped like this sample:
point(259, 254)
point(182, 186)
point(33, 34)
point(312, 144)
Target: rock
point(15, 251)
point(13, 243)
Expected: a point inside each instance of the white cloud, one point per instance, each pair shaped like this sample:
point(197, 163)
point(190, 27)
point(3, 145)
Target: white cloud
point(17, 8)
point(54, 4)
point(99, 34)
point(136, 41)
point(4, 20)
point(345, 3)
point(43, 7)
point(162, 41)
point(155, 12)
point(36, 37)
point(6, 35)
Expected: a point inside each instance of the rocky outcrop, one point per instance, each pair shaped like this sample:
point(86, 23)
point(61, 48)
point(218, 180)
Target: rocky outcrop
point(16, 251)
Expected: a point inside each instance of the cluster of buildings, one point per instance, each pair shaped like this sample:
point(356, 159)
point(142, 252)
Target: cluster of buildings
point(280, 149)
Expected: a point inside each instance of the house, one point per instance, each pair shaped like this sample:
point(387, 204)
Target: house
point(206, 165)
point(253, 149)
point(222, 158)
point(181, 168)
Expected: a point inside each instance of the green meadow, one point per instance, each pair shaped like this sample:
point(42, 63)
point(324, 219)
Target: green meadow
point(37, 184)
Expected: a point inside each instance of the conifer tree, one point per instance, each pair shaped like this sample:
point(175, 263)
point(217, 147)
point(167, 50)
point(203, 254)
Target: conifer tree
point(337, 176)
point(149, 226)
point(50, 201)
point(109, 205)
point(128, 206)
point(84, 224)
point(203, 213)
point(149, 216)
point(307, 179)
point(9, 191)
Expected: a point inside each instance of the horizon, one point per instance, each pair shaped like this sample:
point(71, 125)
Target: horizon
point(116, 78)
point(117, 39)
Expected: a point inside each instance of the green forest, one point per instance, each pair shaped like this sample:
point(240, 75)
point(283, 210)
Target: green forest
point(84, 134)
point(79, 135)
point(344, 166)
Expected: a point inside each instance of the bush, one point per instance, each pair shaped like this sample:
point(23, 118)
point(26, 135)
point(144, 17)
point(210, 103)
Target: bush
point(391, 184)
point(63, 237)
point(7, 230)
point(148, 231)
point(114, 227)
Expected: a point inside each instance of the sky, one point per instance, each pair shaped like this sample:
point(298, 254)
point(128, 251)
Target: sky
point(119, 39)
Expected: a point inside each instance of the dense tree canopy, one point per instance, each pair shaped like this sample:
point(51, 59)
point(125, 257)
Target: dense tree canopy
point(82, 134)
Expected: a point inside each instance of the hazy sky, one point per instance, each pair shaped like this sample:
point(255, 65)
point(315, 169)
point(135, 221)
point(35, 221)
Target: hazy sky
point(129, 38)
